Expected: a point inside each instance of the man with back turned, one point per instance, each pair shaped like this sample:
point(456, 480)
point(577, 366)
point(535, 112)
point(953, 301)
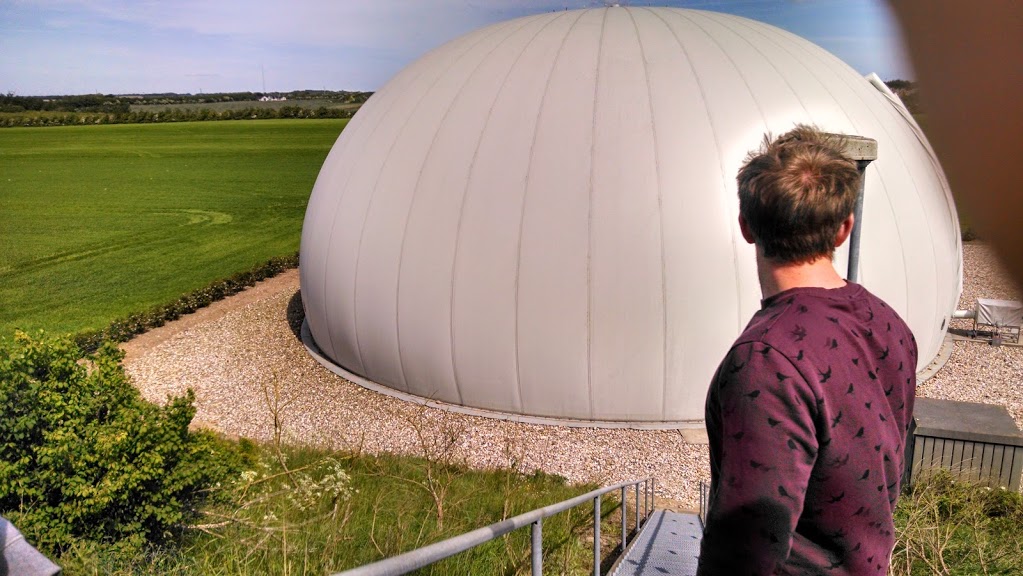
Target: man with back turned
point(808, 412)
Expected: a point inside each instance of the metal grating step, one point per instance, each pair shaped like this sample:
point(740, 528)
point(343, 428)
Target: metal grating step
point(668, 544)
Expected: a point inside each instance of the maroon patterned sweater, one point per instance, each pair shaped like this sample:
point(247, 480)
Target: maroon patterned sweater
point(807, 417)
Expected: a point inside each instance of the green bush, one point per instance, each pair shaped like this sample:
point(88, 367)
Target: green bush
point(124, 329)
point(83, 457)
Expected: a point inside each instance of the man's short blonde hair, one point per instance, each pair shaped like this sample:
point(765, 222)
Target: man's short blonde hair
point(795, 192)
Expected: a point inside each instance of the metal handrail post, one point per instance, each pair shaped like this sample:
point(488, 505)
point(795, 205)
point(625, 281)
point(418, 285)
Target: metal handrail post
point(704, 502)
point(624, 542)
point(646, 500)
point(536, 547)
point(637, 508)
point(596, 535)
point(653, 495)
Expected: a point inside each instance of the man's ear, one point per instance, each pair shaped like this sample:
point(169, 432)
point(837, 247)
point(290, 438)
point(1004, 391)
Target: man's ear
point(844, 230)
point(747, 234)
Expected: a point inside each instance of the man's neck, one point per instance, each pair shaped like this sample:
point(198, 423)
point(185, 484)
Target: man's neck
point(776, 277)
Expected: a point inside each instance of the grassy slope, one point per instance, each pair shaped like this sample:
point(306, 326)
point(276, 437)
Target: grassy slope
point(393, 512)
point(953, 527)
point(273, 525)
point(100, 221)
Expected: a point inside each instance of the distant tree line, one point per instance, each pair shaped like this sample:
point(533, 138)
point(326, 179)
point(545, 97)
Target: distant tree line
point(168, 115)
point(84, 103)
point(907, 91)
point(113, 103)
point(117, 109)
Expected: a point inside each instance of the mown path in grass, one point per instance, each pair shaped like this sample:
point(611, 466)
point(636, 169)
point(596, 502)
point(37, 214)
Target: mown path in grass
point(100, 221)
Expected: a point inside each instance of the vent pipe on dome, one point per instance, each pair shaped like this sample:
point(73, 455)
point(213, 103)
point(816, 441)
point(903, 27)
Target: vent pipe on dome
point(864, 151)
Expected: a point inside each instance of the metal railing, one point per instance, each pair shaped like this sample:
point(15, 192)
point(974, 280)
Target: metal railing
point(421, 557)
point(704, 496)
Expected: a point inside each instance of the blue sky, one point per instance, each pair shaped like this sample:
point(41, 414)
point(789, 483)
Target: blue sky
point(140, 46)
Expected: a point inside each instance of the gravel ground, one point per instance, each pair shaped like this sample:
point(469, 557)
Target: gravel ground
point(247, 365)
point(979, 372)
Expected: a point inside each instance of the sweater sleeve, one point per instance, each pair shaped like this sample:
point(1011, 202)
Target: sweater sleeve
point(760, 418)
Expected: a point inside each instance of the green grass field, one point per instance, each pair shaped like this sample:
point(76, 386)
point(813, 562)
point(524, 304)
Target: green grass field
point(100, 221)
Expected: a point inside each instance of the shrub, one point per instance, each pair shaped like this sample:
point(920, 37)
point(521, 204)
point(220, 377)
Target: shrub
point(123, 329)
point(83, 457)
point(945, 526)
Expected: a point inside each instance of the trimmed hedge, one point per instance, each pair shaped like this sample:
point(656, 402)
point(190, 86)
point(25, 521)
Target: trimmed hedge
point(124, 329)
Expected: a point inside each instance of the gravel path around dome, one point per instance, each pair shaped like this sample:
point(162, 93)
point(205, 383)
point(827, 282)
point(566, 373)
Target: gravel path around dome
point(244, 360)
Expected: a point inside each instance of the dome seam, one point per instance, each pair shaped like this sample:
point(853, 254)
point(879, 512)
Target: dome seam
point(525, 195)
point(589, 219)
point(660, 214)
point(717, 147)
point(376, 181)
point(419, 178)
point(344, 189)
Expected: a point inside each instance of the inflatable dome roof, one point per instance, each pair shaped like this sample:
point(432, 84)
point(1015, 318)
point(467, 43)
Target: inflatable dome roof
point(540, 217)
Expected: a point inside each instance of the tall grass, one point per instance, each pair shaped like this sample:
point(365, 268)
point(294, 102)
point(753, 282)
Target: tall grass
point(305, 510)
point(310, 511)
point(949, 527)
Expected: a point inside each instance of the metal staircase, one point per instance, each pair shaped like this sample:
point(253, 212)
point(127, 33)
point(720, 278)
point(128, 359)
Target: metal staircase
point(666, 542)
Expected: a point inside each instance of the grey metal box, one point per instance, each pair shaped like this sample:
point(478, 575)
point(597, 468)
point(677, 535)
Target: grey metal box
point(975, 442)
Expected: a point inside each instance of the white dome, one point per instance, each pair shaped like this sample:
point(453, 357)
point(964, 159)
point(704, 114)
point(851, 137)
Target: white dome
point(540, 216)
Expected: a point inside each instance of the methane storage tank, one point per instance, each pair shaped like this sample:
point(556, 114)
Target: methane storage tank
point(539, 217)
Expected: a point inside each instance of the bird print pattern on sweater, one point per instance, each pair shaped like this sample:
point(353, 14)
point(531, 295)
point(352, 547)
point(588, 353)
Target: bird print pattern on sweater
point(807, 418)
